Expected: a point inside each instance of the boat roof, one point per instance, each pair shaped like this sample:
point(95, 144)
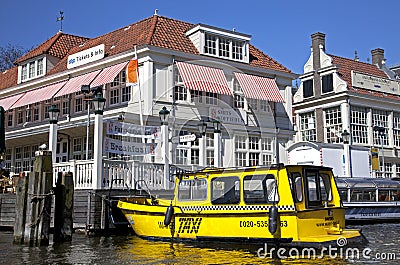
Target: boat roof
point(365, 183)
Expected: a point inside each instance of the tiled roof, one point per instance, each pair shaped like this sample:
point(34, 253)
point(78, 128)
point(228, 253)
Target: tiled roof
point(347, 65)
point(57, 46)
point(8, 78)
point(156, 30)
point(161, 32)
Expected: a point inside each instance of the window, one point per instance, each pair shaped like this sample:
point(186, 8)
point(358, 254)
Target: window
point(307, 127)
point(238, 101)
point(32, 71)
point(260, 189)
point(252, 103)
point(78, 104)
point(225, 190)
point(10, 118)
point(380, 118)
point(327, 83)
point(224, 47)
point(237, 50)
point(195, 156)
point(196, 96)
point(359, 125)
point(308, 88)
point(296, 186)
point(396, 128)
point(192, 190)
point(114, 96)
point(318, 187)
point(210, 44)
point(264, 106)
point(20, 115)
point(333, 125)
point(39, 70)
point(181, 156)
point(240, 159)
point(126, 94)
point(211, 98)
point(24, 72)
point(240, 142)
point(180, 93)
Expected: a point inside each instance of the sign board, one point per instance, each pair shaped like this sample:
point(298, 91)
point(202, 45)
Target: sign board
point(86, 56)
point(224, 115)
point(128, 148)
point(375, 83)
point(375, 158)
point(183, 138)
point(133, 130)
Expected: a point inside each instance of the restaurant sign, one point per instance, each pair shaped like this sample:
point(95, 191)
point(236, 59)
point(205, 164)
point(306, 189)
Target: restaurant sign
point(224, 115)
point(133, 130)
point(128, 148)
point(86, 56)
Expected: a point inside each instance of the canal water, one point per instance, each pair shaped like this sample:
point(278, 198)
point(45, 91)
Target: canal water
point(383, 248)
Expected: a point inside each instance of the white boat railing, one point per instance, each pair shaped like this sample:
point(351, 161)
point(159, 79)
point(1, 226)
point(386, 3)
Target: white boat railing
point(118, 174)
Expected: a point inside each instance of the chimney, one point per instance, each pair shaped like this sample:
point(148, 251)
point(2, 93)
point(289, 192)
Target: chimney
point(318, 38)
point(378, 56)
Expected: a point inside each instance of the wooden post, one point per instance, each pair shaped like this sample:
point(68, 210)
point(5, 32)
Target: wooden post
point(20, 208)
point(64, 203)
point(38, 211)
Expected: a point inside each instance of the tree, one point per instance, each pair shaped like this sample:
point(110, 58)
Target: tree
point(9, 54)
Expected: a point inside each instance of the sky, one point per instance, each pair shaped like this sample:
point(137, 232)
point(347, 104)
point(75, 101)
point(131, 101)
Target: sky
point(279, 28)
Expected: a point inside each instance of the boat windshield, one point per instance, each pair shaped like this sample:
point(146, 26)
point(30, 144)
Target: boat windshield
point(193, 190)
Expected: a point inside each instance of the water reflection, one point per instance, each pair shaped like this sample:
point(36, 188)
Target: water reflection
point(383, 238)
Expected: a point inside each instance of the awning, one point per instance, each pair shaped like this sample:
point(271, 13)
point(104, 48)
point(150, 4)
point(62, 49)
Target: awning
point(40, 94)
point(108, 74)
point(8, 102)
point(74, 84)
point(202, 78)
point(259, 87)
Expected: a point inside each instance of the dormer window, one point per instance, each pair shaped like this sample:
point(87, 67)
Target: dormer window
point(220, 43)
point(31, 70)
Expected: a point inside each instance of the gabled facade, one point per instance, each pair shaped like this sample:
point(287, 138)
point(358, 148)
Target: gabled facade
point(242, 87)
point(339, 94)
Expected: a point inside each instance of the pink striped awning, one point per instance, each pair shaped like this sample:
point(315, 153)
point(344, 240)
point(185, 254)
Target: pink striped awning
point(108, 74)
point(259, 87)
point(202, 78)
point(8, 102)
point(37, 95)
point(74, 84)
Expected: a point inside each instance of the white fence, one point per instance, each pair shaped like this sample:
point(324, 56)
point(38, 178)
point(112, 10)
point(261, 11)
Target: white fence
point(117, 174)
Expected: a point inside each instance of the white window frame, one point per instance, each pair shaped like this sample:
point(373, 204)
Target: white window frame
point(308, 126)
point(333, 125)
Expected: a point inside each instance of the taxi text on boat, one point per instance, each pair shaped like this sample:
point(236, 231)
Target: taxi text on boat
point(294, 205)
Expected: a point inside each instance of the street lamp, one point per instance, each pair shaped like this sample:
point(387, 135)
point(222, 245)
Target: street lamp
point(164, 113)
point(165, 141)
point(381, 133)
point(346, 136)
point(202, 127)
point(217, 143)
point(54, 112)
point(98, 102)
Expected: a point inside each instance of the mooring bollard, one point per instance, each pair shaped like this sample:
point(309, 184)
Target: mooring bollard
point(64, 206)
point(38, 205)
point(20, 208)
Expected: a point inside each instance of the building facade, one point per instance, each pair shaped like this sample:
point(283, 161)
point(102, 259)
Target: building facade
point(200, 73)
point(339, 95)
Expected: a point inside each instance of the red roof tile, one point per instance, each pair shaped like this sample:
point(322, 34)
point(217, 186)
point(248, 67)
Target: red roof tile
point(8, 78)
point(347, 65)
point(57, 46)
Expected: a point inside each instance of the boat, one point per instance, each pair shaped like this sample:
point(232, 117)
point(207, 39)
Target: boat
point(297, 205)
point(370, 199)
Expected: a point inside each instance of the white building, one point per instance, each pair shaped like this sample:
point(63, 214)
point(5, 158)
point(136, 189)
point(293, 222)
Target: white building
point(339, 94)
point(198, 72)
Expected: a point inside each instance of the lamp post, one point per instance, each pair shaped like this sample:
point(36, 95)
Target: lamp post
point(85, 89)
point(54, 112)
point(347, 153)
point(217, 143)
point(381, 132)
point(164, 113)
point(202, 143)
point(99, 103)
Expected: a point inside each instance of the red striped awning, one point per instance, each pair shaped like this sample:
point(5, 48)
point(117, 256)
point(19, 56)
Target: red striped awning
point(40, 94)
point(259, 87)
point(203, 78)
point(74, 84)
point(8, 102)
point(108, 74)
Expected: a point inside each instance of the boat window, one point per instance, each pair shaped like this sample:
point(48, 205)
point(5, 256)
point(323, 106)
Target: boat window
point(325, 185)
point(225, 190)
point(361, 195)
point(296, 185)
point(194, 190)
point(260, 189)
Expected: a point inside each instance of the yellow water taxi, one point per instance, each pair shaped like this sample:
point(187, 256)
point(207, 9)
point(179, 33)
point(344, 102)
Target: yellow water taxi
point(293, 205)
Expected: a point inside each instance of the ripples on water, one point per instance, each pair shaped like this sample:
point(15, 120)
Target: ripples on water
point(383, 238)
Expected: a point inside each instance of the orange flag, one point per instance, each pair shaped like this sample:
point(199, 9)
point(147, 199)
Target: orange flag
point(132, 71)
